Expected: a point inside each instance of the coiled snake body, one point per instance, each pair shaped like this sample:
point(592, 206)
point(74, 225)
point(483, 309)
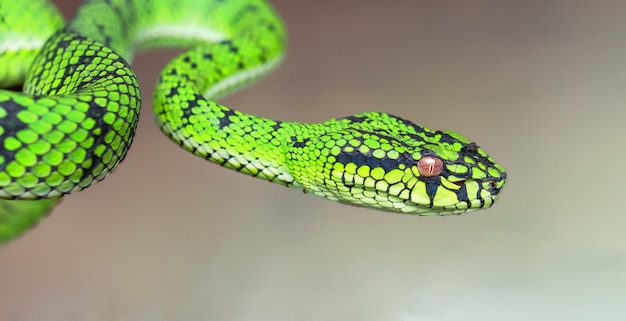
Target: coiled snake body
point(78, 112)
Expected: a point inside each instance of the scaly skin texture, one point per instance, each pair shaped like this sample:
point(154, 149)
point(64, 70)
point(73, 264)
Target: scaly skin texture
point(24, 28)
point(77, 116)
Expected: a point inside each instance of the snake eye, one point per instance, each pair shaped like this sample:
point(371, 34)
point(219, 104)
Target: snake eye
point(430, 166)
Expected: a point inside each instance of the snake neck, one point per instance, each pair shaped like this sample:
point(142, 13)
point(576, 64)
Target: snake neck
point(248, 144)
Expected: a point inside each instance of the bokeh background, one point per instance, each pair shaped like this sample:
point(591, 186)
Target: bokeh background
point(539, 84)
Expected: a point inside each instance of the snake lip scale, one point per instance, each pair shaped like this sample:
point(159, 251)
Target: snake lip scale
point(77, 115)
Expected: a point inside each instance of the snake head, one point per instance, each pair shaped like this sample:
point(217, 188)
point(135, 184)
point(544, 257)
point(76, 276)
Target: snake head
point(384, 162)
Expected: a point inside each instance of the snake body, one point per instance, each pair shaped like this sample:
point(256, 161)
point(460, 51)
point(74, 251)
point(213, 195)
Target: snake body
point(77, 115)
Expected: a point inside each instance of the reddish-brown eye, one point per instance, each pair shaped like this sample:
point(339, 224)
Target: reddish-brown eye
point(430, 166)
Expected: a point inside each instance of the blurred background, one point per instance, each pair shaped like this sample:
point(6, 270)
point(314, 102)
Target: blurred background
point(538, 84)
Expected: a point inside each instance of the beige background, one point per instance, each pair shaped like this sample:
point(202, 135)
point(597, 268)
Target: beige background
point(539, 84)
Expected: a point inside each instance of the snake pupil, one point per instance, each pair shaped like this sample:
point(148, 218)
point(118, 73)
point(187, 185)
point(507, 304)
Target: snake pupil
point(430, 166)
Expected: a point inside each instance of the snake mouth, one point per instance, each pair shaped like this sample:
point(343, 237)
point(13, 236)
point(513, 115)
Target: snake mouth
point(458, 183)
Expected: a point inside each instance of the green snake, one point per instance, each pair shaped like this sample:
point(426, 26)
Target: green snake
point(76, 116)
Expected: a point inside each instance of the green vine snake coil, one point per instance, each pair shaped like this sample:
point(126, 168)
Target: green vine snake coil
point(78, 112)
